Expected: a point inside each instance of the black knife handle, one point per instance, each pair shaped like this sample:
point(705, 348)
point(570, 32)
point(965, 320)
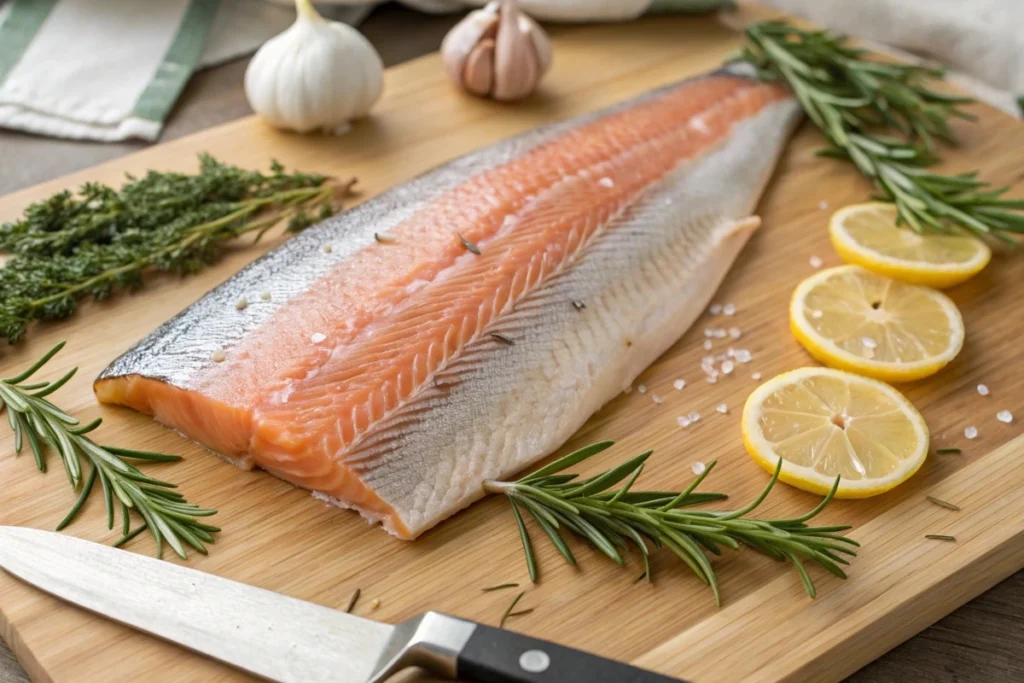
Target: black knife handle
point(494, 655)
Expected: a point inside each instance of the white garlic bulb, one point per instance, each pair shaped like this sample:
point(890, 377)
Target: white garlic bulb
point(318, 74)
point(497, 52)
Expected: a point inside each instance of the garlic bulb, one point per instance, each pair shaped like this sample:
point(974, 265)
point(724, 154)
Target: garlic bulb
point(497, 52)
point(318, 74)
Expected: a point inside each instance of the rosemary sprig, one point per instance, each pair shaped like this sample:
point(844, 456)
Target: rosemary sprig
point(613, 520)
point(165, 512)
point(885, 119)
point(102, 240)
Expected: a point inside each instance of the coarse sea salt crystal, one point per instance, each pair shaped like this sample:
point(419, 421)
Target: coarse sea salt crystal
point(606, 182)
point(822, 205)
point(317, 337)
point(694, 416)
point(727, 367)
point(735, 333)
point(642, 388)
point(679, 384)
point(756, 377)
point(722, 408)
point(971, 432)
point(743, 355)
point(1004, 416)
point(983, 390)
point(729, 309)
point(698, 468)
point(683, 421)
point(716, 309)
point(711, 379)
point(708, 345)
point(721, 333)
point(815, 262)
point(709, 332)
point(656, 398)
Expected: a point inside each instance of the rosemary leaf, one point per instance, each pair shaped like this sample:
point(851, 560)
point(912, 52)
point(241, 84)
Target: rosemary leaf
point(165, 512)
point(949, 450)
point(885, 119)
point(614, 520)
point(353, 600)
point(940, 537)
point(944, 504)
point(510, 608)
point(500, 586)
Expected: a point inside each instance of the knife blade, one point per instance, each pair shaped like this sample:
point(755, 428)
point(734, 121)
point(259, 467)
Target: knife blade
point(283, 639)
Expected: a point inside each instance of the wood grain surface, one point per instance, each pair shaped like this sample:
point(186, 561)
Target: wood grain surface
point(274, 533)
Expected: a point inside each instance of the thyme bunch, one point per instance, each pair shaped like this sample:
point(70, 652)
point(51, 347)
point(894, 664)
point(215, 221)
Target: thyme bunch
point(616, 519)
point(885, 119)
point(102, 240)
point(165, 513)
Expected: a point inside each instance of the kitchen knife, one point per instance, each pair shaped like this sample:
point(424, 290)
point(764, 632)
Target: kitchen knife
point(283, 639)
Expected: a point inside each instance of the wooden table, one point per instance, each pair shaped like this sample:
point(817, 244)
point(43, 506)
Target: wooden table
point(982, 641)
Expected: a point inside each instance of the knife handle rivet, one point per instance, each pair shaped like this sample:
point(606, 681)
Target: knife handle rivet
point(534, 661)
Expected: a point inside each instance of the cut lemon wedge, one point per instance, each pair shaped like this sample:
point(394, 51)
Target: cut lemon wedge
point(866, 235)
point(824, 422)
point(856, 320)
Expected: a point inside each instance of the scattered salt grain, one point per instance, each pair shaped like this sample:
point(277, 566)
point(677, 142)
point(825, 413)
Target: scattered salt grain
point(735, 333)
point(683, 421)
point(822, 205)
point(743, 356)
point(698, 468)
point(218, 356)
point(971, 432)
point(656, 398)
point(712, 379)
point(816, 314)
point(679, 384)
point(729, 309)
point(265, 295)
point(709, 332)
point(606, 182)
point(983, 390)
point(727, 367)
point(328, 249)
point(756, 377)
point(721, 333)
point(1004, 416)
point(869, 343)
point(241, 304)
point(716, 309)
point(694, 416)
point(815, 262)
point(317, 337)
point(642, 389)
point(722, 408)
point(707, 345)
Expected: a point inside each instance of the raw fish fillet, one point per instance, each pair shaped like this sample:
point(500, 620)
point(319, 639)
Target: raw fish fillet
point(394, 374)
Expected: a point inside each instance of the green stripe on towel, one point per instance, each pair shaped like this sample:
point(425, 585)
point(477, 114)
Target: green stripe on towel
point(155, 102)
point(687, 6)
point(18, 30)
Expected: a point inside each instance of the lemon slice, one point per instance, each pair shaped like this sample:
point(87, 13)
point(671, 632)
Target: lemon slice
point(856, 320)
point(866, 234)
point(824, 423)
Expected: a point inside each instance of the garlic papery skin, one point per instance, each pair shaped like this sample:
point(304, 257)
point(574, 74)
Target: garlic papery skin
point(497, 52)
point(317, 74)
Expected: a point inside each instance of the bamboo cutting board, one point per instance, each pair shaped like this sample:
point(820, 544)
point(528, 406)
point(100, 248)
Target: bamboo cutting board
point(280, 538)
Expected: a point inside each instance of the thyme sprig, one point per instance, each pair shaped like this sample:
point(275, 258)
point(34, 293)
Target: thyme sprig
point(102, 240)
point(165, 513)
point(615, 519)
point(886, 120)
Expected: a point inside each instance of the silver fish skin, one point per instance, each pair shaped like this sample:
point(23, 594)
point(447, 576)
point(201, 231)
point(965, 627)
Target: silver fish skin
point(521, 383)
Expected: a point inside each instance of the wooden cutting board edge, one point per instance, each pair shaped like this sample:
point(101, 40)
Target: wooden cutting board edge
point(952, 574)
